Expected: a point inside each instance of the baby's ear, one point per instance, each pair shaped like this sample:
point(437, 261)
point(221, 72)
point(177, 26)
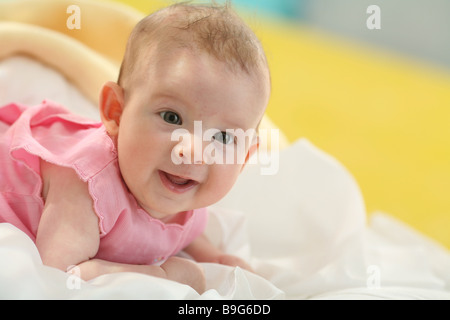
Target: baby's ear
point(111, 106)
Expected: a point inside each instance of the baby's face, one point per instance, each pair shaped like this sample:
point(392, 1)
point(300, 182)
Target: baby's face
point(169, 95)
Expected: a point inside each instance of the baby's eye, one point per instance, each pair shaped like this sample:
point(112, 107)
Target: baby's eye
point(170, 117)
point(223, 137)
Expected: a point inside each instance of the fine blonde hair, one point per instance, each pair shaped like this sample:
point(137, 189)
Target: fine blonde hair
point(214, 29)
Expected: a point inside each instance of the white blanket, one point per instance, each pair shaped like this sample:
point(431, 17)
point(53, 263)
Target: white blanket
point(303, 229)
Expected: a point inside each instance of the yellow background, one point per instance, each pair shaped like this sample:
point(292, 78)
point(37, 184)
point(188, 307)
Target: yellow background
point(386, 118)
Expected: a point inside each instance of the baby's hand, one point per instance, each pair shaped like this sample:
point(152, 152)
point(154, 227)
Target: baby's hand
point(230, 260)
point(185, 271)
point(203, 251)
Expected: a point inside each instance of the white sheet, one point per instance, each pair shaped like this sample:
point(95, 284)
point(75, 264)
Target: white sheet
point(303, 230)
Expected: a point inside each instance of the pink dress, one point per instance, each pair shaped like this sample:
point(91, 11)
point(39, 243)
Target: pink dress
point(127, 233)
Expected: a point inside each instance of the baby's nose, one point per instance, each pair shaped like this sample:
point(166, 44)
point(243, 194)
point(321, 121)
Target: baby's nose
point(189, 150)
point(197, 149)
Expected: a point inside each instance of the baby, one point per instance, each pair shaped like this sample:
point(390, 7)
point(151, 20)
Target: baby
point(107, 197)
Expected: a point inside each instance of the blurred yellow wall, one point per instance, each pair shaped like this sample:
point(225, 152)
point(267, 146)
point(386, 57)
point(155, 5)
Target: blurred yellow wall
point(385, 118)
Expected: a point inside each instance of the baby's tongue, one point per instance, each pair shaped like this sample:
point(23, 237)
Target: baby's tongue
point(176, 179)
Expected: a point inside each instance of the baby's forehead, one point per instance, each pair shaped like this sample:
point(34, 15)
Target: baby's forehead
point(162, 55)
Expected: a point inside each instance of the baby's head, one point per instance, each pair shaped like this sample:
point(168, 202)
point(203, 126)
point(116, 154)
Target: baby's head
point(191, 77)
point(215, 30)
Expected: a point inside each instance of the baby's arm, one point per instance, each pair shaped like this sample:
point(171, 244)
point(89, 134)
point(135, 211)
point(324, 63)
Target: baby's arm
point(202, 250)
point(177, 269)
point(68, 233)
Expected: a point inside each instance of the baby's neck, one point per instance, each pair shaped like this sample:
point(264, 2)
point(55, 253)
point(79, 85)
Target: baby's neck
point(177, 218)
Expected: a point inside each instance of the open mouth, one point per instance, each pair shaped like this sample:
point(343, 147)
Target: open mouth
point(175, 183)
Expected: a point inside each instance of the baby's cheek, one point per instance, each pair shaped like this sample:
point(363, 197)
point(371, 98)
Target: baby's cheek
point(222, 179)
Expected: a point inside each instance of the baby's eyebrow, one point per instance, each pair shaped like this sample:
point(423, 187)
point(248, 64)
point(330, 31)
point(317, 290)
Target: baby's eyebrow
point(168, 97)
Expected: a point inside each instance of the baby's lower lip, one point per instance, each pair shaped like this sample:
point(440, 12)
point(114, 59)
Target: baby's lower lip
point(176, 184)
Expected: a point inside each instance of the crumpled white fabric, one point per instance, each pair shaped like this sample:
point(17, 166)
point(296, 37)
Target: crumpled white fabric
point(309, 236)
point(303, 230)
point(23, 276)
